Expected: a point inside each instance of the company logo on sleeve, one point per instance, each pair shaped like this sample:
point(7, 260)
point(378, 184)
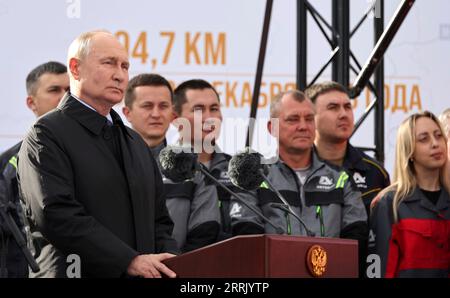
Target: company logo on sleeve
point(236, 210)
point(360, 180)
point(325, 182)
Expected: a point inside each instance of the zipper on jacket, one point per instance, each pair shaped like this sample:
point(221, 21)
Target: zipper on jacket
point(288, 224)
point(319, 214)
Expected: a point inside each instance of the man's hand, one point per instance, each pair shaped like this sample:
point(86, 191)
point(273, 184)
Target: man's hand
point(150, 266)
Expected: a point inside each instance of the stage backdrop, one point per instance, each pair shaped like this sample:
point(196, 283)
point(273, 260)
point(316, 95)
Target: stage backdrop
point(218, 40)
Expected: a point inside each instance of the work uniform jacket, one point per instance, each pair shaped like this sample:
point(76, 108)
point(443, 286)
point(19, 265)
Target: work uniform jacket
point(367, 173)
point(418, 244)
point(192, 205)
point(328, 203)
point(11, 255)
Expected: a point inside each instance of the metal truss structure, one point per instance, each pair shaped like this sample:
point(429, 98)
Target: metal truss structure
point(342, 59)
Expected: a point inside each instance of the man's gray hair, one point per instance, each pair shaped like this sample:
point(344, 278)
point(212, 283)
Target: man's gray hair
point(80, 47)
point(276, 101)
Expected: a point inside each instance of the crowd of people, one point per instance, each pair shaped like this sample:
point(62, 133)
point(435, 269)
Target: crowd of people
point(81, 182)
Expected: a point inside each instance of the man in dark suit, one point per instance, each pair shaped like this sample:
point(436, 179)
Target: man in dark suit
point(91, 186)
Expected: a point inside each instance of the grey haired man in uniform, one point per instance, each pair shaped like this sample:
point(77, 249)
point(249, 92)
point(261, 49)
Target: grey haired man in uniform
point(323, 197)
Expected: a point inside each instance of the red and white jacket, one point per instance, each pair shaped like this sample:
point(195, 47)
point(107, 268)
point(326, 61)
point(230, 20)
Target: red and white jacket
point(418, 245)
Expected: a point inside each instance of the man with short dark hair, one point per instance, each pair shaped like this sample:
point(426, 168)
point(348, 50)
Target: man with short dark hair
point(45, 85)
point(149, 109)
point(197, 103)
point(334, 126)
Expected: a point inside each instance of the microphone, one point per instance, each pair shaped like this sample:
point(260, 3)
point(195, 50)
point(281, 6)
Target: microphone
point(180, 164)
point(246, 171)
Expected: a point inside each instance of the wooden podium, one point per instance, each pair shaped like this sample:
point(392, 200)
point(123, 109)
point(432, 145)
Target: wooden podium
point(257, 256)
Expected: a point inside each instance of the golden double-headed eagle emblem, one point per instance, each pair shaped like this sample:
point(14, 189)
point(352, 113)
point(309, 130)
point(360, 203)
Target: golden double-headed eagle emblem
point(316, 260)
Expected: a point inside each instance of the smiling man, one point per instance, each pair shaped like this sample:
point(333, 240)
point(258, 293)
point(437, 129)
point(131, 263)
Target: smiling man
point(91, 185)
point(149, 109)
point(197, 103)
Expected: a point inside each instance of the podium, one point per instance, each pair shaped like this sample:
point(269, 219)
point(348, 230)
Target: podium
point(259, 256)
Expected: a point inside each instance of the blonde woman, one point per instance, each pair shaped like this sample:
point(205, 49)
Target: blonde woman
point(411, 222)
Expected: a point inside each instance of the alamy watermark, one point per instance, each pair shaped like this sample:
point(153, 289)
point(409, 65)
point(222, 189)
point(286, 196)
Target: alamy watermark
point(73, 10)
point(73, 269)
point(202, 135)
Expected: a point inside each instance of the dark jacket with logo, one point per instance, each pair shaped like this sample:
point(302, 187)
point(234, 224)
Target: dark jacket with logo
point(6, 156)
point(418, 244)
point(192, 205)
point(369, 176)
point(327, 202)
point(86, 198)
point(16, 263)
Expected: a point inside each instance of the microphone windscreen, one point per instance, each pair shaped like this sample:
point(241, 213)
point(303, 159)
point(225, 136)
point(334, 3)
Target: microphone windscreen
point(178, 163)
point(243, 169)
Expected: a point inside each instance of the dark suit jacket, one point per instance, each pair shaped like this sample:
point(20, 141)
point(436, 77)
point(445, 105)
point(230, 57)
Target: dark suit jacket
point(81, 201)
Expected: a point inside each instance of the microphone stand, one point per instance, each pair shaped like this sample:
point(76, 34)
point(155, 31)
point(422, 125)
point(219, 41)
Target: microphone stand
point(7, 218)
point(203, 169)
point(285, 206)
